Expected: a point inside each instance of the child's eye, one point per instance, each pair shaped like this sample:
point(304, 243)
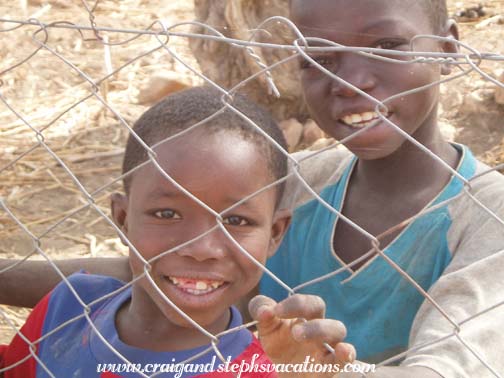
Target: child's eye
point(389, 44)
point(167, 214)
point(324, 61)
point(235, 220)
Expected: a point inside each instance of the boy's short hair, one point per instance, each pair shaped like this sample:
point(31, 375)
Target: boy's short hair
point(183, 109)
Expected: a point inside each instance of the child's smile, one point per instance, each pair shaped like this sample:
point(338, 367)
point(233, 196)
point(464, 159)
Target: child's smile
point(360, 120)
point(196, 286)
point(194, 293)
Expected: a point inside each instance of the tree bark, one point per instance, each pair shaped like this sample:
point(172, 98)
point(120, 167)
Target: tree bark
point(228, 65)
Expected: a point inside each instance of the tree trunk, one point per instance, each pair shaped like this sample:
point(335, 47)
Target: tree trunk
point(229, 65)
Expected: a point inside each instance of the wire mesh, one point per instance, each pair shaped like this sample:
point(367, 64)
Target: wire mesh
point(160, 35)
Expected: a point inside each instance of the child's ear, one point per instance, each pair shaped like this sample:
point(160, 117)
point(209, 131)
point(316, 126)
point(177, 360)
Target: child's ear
point(451, 32)
point(281, 223)
point(119, 209)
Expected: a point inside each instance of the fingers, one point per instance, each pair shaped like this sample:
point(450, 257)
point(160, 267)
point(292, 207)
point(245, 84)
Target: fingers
point(322, 332)
point(328, 331)
point(345, 353)
point(298, 322)
point(298, 306)
point(261, 308)
point(301, 306)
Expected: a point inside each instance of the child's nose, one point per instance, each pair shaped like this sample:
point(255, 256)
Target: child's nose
point(205, 245)
point(354, 70)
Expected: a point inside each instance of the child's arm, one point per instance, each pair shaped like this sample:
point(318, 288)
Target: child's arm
point(25, 284)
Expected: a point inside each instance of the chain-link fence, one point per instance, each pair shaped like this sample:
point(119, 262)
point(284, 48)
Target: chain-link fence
point(42, 147)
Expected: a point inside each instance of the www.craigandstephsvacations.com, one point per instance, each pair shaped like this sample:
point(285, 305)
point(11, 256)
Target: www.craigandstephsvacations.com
point(237, 368)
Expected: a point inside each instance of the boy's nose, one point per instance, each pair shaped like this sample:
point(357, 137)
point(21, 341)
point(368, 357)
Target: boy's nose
point(354, 70)
point(213, 245)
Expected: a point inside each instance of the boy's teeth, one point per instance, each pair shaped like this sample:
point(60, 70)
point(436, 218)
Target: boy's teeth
point(347, 120)
point(197, 287)
point(360, 120)
point(200, 285)
point(368, 116)
point(356, 118)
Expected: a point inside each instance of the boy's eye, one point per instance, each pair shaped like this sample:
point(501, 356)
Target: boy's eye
point(235, 220)
point(389, 44)
point(323, 60)
point(167, 214)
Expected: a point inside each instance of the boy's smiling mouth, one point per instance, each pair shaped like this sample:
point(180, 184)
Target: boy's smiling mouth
point(195, 286)
point(361, 120)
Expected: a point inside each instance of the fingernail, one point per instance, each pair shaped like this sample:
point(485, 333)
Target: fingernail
point(351, 356)
point(298, 333)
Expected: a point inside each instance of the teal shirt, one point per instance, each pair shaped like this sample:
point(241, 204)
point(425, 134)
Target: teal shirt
point(376, 304)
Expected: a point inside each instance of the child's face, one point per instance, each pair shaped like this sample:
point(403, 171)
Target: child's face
point(207, 276)
point(341, 112)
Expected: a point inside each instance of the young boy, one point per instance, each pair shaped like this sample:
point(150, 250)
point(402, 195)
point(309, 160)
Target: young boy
point(454, 251)
point(220, 163)
point(387, 180)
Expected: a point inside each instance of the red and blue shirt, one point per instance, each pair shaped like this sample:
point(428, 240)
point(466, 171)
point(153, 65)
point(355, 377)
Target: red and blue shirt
point(66, 344)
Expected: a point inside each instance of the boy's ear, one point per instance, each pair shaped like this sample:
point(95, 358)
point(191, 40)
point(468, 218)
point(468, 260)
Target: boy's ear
point(281, 223)
point(119, 210)
point(451, 31)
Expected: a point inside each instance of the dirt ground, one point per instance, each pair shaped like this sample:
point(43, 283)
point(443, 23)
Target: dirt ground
point(88, 137)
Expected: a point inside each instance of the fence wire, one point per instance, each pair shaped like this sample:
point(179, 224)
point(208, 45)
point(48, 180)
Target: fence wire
point(467, 60)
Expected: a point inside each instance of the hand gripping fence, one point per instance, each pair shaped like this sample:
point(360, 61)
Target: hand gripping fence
point(466, 61)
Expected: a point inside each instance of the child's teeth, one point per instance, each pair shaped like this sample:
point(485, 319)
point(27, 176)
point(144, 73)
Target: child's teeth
point(360, 120)
point(356, 118)
point(368, 116)
point(347, 120)
point(200, 285)
point(196, 287)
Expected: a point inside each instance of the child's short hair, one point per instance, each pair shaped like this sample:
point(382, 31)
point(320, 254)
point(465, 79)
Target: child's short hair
point(181, 110)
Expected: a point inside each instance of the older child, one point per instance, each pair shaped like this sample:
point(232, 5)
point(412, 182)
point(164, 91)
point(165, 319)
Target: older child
point(454, 250)
point(203, 278)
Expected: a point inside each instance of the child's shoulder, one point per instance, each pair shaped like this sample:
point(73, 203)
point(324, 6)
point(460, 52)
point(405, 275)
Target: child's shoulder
point(487, 181)
point(319, 169)
point(485, 189)
point(82, 288)
point(477, 216)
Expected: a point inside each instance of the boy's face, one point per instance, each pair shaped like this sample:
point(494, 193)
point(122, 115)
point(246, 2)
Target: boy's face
point(340, 111)
point(207, 276)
